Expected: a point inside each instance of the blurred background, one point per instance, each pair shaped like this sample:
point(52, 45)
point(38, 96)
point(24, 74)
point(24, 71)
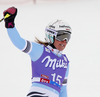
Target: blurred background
point(83, 50)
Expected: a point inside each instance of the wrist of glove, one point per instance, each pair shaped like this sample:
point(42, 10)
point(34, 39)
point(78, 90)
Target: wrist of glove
point(9, 16)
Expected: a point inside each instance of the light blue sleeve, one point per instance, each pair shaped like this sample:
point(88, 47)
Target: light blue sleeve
point(63, 92)
point(67, 72)
point(35, 50)
point(16, 39)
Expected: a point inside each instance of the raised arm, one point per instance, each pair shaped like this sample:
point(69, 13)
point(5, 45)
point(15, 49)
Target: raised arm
point(25, 46)
point(9, 17)
point(16, 39)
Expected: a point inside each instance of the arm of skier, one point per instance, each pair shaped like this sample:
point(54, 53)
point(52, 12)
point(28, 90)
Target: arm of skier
point(63, 92)
point(9, 17)
point(24, 45)
point(33, 49)
point(14, 36)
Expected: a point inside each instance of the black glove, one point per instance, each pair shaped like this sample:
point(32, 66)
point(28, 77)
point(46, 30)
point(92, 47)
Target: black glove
point(9, 16)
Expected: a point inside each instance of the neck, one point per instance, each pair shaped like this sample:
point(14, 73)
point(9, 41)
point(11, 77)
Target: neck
point(54, 50)
point(52, 45)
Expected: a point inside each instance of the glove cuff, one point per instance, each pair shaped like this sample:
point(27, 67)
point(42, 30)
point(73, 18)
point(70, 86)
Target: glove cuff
point(9, 24)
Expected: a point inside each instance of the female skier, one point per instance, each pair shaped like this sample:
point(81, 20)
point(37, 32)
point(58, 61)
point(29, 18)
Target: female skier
point(49, 65)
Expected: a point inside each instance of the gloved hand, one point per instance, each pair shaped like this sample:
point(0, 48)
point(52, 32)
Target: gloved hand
point(9, 16)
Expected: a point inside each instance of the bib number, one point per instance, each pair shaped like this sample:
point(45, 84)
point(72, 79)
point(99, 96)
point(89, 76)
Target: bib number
point(56, 78)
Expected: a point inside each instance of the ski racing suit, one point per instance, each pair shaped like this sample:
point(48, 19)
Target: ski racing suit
point(49, 67)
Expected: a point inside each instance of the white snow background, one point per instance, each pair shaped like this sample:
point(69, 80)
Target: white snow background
point(83, 50)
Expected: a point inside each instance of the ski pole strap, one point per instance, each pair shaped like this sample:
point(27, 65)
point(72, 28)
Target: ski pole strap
point(38, 79)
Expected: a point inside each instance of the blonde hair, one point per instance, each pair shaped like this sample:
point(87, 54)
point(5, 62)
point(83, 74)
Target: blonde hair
point(41, 42)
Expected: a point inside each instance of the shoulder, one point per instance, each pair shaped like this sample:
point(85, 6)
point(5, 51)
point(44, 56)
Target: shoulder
point(36, 51)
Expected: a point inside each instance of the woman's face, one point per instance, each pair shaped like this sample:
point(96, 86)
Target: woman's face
point(60, 45)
